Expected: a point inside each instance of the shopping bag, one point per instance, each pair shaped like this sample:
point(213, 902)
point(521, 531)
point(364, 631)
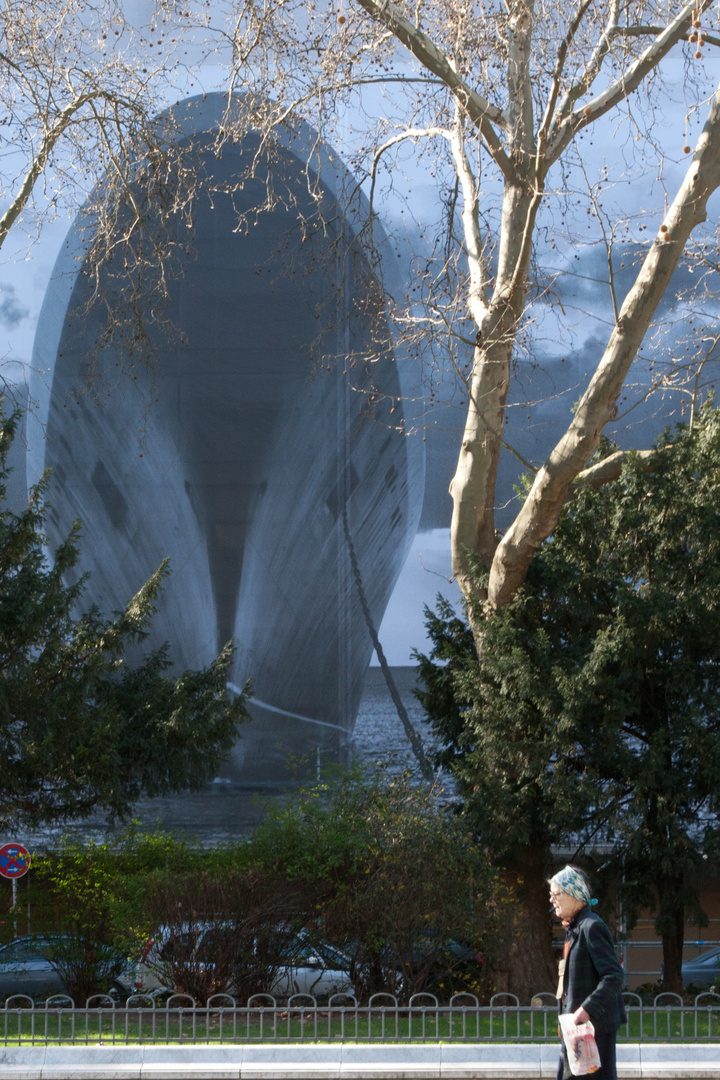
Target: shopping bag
point(579, 1039)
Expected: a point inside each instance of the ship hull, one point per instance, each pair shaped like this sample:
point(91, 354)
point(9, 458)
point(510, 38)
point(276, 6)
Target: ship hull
point(252, 456)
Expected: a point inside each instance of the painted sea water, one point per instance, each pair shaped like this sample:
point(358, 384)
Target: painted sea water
point(225, 811)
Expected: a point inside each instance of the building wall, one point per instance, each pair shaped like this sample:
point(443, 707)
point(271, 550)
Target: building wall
point(644, 952)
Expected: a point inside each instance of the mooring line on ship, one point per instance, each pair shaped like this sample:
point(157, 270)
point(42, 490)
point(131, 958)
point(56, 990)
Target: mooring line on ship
point(284, 712)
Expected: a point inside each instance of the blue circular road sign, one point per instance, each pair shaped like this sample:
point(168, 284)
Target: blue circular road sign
point(14, 860)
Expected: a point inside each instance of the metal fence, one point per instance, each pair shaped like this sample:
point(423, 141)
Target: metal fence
point(221, 1021)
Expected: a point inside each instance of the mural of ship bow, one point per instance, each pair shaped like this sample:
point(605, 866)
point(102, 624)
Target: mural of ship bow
point(241, 452)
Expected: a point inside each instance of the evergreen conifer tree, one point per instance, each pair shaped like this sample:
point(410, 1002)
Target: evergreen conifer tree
point(593, 714)
point(80, 727)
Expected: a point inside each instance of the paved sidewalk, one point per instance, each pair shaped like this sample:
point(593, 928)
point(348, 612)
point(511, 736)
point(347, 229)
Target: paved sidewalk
point(344, 1061)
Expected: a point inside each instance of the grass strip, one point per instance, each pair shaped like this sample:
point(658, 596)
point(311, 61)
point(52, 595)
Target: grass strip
point(120, 1027)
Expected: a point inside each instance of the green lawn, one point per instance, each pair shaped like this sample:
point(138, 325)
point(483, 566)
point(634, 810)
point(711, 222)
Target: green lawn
point(121, 1027)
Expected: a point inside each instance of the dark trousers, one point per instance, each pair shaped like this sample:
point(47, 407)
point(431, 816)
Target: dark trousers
point(606, 1049)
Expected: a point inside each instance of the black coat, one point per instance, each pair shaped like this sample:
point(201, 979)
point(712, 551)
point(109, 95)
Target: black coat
point(593, 975)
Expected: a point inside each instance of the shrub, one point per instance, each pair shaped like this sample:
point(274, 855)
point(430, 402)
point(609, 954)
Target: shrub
point(397, 880)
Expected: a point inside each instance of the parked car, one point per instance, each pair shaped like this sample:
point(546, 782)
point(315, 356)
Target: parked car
point(309, 967)
point(315, 968)
point(428, 962)
point(703, 970)
point(32, 965)
point(26, 969)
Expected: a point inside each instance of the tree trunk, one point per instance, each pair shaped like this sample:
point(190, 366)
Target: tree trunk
point(472, 488)
point(542, 507)
point(672, 927)
point(530, 963)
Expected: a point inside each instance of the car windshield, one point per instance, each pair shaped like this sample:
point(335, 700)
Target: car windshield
point(312, 952)
point(179, 946)
point(213, 942)
point(711, 958)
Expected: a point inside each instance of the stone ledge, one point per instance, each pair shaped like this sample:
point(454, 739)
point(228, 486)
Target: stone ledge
point(345, 1061)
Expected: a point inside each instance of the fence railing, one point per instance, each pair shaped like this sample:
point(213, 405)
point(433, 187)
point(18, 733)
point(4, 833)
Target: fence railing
point(423, 1019)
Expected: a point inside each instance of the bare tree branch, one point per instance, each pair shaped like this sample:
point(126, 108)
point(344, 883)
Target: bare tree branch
point(482, 113)
point(477, 300)
point(610, 468)
point(543, 505)
point(49, 141)
point(565, 128)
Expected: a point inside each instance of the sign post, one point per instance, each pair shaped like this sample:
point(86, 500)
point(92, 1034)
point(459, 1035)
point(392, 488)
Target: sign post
point(14, 863)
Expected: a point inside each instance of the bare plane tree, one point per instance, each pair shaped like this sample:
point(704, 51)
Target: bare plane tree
point(490, 100)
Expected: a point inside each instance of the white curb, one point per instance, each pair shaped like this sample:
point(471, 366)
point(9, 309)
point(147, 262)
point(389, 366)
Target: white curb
point(345, 1061)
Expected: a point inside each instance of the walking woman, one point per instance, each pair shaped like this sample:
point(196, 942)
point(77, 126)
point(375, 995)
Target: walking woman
point(591, 978)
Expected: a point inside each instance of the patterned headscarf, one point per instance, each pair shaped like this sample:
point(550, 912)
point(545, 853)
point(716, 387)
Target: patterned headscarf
point(574, 884)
